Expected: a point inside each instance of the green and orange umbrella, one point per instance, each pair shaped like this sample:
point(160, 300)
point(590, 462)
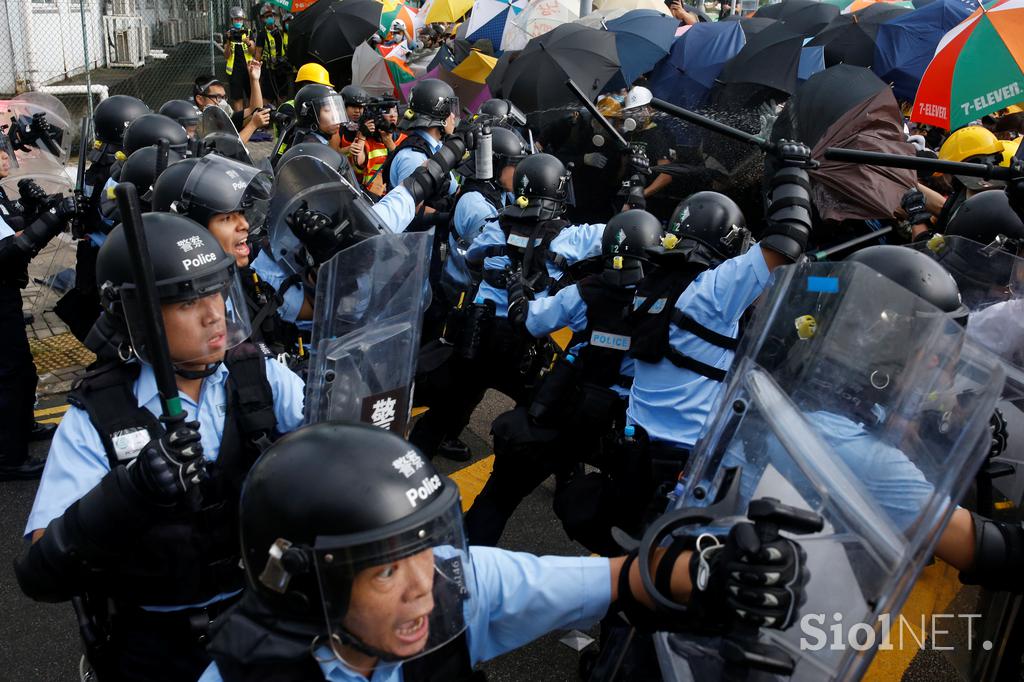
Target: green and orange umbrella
point(978, 68)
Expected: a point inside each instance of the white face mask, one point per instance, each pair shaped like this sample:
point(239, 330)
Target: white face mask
point(225, 107)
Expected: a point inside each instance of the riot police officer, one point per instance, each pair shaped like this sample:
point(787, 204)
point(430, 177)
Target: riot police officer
point(583, 396)
point(319, 114)
point(17, 371)
point(184, 112)
point(80, 306)
point(432, 114)
point(125, 519)
point(358, 569)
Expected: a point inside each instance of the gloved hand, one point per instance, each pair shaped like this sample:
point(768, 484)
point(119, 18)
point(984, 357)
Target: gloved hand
point(169, 466)
point(638, 164)
point(33, 198)
point(595, 160)
point(47, 225)
point(431, 179)
point(767, 114)
point(913, 204)
point(1000, 436)
point(315, 230)
point(795, 155)
point(470, 132)
point(635, 198)
point(518, 303)
point(759, 583)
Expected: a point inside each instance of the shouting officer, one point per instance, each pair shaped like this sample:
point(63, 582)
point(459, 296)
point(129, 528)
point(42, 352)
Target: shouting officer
point(136, 525)
point(358, 569)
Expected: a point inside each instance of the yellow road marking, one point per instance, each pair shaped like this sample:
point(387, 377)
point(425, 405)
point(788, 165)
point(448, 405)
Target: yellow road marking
point(60, 409)
point(932, 593)
point(562, 337)
point(471, 479)
point(417, 411)
point(51, 420)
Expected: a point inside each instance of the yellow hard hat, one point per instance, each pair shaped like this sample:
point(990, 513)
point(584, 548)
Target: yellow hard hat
point(609, 107)
point(970, 141)
point(313, 73)
point(1010, 148)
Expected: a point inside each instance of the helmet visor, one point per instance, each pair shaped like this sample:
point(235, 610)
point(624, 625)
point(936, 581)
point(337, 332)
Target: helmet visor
point(330, 111)
point(405, 595)
point(204, 315)
point(222, 185)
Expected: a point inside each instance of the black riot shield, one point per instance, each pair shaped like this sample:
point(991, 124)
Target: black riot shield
point(219, 136)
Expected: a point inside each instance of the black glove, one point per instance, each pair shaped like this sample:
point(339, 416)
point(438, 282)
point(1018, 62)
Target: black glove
point(638, 164)
point(795, 154)
point(316, 231)
point(37, 235)
point(469, 132)
point(914, 205)
point(431, 179)
point(33, 198)
point(169, 466)
point(760, 583)
point(1000, 435)
point(518, 303)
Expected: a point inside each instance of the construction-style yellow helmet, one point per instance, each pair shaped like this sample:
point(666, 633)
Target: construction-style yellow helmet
point(1010, 148)
point(313, 73)
point(609, 107)
point(968, 142)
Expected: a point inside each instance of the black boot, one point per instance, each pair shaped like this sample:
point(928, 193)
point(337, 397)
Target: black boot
point(41, 431)
point(29, 469)
point(455, 450)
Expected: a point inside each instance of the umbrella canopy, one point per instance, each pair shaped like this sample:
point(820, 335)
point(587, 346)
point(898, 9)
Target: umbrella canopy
point(396, 11)
point(850, 38)
point(751, 25)
point(803, 16)
point(490, 18)
point(848, 106)
point(535, 79)
point(812, 60)
point(905, 45)
point(642, 37)
point(331, 30)
point(686, 76)
point(536, 19)
point(370, 72)
point(608, 5)
point(446, 11)
point(978, 68)
point(770, 58)
point(860, 5)
point(476, 67)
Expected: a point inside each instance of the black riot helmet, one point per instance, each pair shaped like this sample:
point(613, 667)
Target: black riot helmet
point(328, 155)
point(203, 188)
point(918, 273)
point(333, 499)
point(709, 227)
point(626, 243)
point(502, 112)
point(113, 115)
point(181, 110)
point(188, 265)
point(318, 105)
point(149, 129)
point(144, 166)
point(987, 218)
point(508, 148)
point(541, 186)
point(431, 103)
point(354, 96)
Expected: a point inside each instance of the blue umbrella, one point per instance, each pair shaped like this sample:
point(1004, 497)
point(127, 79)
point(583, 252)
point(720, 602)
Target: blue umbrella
point(905, 45)
point(642, 38)
point(685, 77)
point(812, 60)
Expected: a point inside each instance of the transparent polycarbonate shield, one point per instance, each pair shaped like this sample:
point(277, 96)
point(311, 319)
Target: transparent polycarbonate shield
point(223, 185)
point(53, 177)
point(219, 136)
point(852, 398)
point(368, 315)
point(28, 111)
point(306, 182)
point(50, 275)
point(991, 283)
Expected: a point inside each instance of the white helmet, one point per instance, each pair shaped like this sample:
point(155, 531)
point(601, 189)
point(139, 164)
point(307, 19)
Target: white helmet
point(398, 26)
point(637, 97)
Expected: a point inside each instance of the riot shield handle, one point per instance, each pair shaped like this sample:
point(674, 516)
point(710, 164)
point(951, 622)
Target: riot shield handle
point(742, 651)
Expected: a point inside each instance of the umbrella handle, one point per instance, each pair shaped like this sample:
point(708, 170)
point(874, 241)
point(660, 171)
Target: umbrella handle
point(620, 142)
point(711, 124)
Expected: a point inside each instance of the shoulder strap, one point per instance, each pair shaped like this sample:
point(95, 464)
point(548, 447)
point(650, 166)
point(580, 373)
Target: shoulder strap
point(411, 141)
point(254, 398)
point(107, 394)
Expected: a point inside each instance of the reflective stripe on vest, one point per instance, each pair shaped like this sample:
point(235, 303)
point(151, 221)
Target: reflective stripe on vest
point(230, 65)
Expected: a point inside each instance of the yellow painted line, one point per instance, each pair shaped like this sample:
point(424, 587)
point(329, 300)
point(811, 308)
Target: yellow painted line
point(932, 593)
point(562, 337)
point(417, 411)
point(51, 420)
point(471, 479)
point(60, 409)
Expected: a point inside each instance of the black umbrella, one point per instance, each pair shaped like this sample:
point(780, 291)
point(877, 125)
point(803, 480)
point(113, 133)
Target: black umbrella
point(331, 30)
point(751, 25)
point(770, 58)
point(535, 79)
point(850, 38)
point(804, 16)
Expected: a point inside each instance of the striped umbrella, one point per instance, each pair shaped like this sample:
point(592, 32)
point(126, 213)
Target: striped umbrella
point(395, 10)
point(978, 68)
point(858, 5)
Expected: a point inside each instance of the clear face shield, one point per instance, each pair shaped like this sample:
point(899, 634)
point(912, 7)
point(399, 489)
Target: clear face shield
point(204, 317)
point(401, 597)
point(223, 185)
point(8, 159)
point(330, 113)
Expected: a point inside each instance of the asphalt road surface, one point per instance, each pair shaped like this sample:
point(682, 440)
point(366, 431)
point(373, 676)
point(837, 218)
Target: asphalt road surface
point(39, 642)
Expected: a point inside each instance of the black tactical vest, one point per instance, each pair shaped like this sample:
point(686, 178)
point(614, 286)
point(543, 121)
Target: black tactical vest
point(191, 554)
point(275, 334)
point(411, 141)
point(609, 331)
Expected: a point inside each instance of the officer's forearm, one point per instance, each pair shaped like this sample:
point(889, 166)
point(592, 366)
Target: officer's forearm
point(89, 535)
point(11, 256)
point(956, 544)
point(681, 586)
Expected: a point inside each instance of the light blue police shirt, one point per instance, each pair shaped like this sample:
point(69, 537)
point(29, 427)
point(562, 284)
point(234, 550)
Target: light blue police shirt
point(672, 403)
point(517, 598)
point(471, 215)
point(78, 460)
point(5, 229)
point(575, 243)
point(408, 160)
point(568, 309)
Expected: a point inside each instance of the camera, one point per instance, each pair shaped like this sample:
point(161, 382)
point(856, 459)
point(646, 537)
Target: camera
point(375, 111)
point(235, 35)
point(277, 118)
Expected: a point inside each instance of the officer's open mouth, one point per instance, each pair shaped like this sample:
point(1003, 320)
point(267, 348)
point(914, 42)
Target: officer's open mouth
point(242, 247)
point(412, 631)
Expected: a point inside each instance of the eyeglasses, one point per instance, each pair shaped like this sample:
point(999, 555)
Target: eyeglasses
point(216, 97)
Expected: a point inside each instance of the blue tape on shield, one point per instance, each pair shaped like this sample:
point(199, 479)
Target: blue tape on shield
point(823, 285)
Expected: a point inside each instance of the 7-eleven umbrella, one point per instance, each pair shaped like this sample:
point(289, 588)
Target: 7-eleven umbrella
point(978, 68)
point(395, 10)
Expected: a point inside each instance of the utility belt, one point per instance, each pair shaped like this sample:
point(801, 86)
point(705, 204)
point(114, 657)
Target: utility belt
point(564, 400)
point(664, 460)
point(468, 326)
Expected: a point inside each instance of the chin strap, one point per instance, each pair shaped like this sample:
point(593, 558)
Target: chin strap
point(196, 373)
point(347, 638)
